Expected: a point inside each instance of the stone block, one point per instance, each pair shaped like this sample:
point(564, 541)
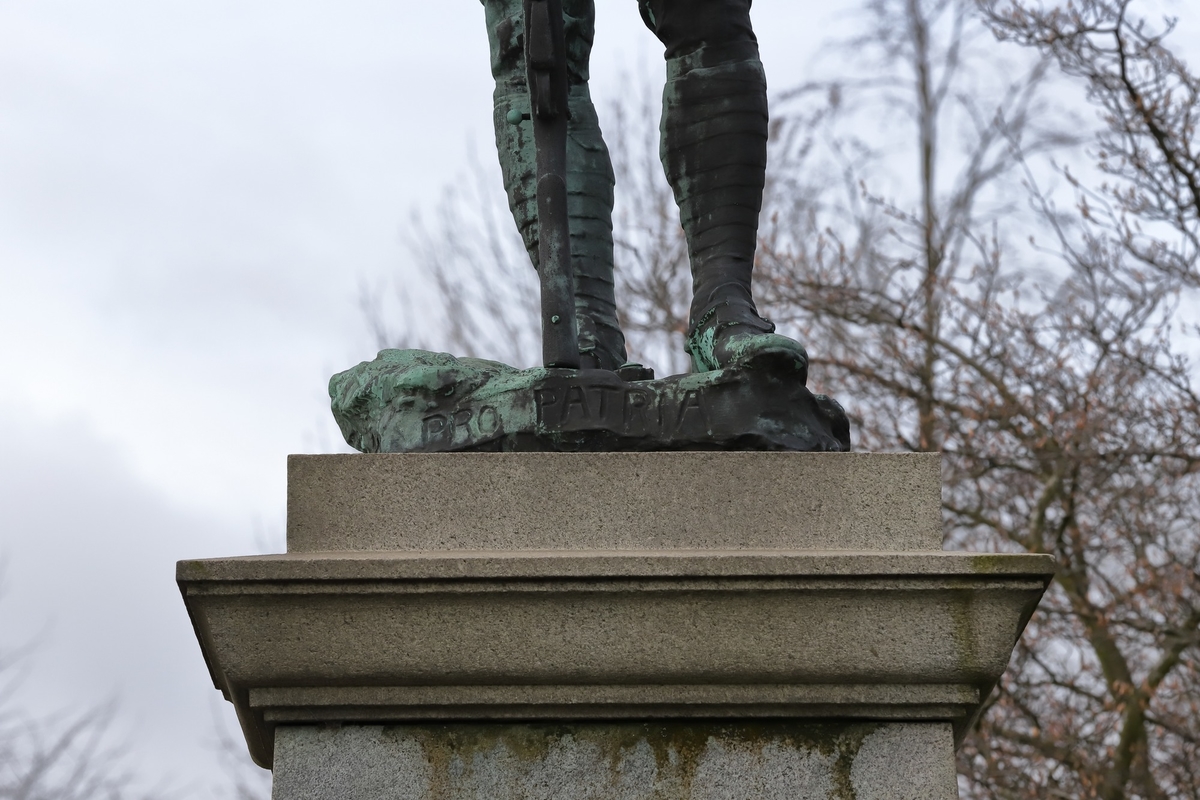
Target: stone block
point(643, 625)
point(615, 501)
point(657, 761)
point(308, 638)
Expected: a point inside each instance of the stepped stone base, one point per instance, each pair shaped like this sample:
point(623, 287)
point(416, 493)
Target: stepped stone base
point(617, 625)
point(663, 761)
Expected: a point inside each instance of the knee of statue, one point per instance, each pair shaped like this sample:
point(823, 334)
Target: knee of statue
point(684, 27)
point(506, 36)
point(579, 23)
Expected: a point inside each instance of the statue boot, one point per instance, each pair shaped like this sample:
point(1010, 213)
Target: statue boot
point(714, 151)
point(589, 175)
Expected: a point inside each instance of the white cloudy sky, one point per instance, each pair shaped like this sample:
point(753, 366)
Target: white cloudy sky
point(190, 193)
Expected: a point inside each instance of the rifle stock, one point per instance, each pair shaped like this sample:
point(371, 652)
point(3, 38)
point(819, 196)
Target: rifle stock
point(546, 72)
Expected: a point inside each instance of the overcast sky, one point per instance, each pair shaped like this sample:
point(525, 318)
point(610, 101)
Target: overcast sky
point(190, 194)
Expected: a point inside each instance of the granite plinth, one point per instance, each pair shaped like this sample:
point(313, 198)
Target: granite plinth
point(372, 637)
point(521, 615)
point(663, 761)
point(615, 501)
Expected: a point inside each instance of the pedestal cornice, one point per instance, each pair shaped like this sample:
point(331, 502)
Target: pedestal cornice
point(474, 635)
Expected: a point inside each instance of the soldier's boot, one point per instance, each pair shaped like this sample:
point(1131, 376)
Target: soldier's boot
point(714, 151)
point(589, 174)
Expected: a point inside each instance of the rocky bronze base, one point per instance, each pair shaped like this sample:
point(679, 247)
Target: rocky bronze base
point(413, 401)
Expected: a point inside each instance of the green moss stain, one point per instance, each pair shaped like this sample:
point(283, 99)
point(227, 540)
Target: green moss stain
point(193, 571)
point(679, 749)
point(990, 563)
point(966, 643)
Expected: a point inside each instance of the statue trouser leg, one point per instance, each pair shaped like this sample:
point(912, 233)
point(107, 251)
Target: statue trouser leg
point(589, 170)
point(714, 151)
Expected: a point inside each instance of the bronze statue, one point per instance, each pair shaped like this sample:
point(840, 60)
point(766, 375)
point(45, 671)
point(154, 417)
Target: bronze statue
point(714, 151)
point(747, 390)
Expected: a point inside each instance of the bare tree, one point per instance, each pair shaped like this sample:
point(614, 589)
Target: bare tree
point(961, 293)
point(1150, 106)
point(653, 273)
point(56, 757)
point(241, 778)
point(1124, 510)
point(484, 290)
point(1051, 380)
point(882, 251)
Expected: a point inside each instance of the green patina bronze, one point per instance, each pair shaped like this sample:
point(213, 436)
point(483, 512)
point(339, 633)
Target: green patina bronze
point(713, 150)
point(589, 170)
point(412, 401)
point(747, 389)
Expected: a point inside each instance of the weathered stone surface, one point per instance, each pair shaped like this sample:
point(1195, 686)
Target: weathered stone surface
point(570, 564)
point(658, 761)
point(594, 592)
point(413, 401)
point(306, 638)
point(615, 501)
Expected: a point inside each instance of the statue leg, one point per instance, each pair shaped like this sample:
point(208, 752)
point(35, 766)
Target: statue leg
point(589, 170)
point(714, 151)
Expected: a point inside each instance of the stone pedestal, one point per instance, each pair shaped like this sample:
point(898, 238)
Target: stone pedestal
point(618, 761)
point(637, 625)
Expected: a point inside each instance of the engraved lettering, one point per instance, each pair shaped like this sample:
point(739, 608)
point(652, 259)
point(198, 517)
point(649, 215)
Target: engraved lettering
point(462, 418)
point(602, 404)
point(433, 428)
point(691, 403)
point(634, 418)
point(544, 399)
point(488, 420)
point(576, 399)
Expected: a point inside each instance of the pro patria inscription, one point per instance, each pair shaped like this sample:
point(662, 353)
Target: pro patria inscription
point(595, 409)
